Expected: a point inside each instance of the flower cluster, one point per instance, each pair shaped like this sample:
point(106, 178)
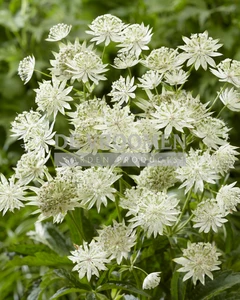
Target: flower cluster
point(146, 115)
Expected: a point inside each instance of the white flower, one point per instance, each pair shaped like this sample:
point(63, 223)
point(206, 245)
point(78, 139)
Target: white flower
point(55, 198)
point(228, 197)
point(198, 169)
point(86, 65)
point(224, 158)
point(171, 115)
point(106, 28)
point(89, 259)
point(11, 194)
point(152, 211)
point(134, 38)
point(199, 50)
point(117, 240)
point(151, 281)
point(199, 259)
point(65, 54)
point(122, 90)
point(212, 131)
point(52, 97)
point(157, 178)
point(228, 70)
point(125, 60)
point(176, 77)
point(161, 60)
point(208, 215)
point(230, 98)
point(31, 166)
point(95, 187)
point(150, 80)
point(58, 32)
point(26, 68)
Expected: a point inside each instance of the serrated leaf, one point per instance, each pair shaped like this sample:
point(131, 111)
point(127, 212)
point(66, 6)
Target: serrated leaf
point(221, 282)
point(121, 286)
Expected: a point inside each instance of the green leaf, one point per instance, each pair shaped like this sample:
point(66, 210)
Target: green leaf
point(121, 286)
point(28, 249)
point(178, 287)
point(221, 282)
point(66, 290)
point(40, 259)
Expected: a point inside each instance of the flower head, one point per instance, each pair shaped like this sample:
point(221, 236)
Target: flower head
point(161, 60)
point(208, 215)
point(58, 32)
point(212, 131)
point(199, 50)
point(199, 259)
point(123, 89)
point(152, 211)
point(230, 98)
point(55, 198)
point(176, 77)
point(151, 281)
point(106, 28)
point(117, 240)
point(95, 186)
point(228, 70)
point(89, 259)
point(86, 65)
point(125, 60)
point(134, 38)
point(197, 171)
point(53, 97)
point(26, 68)
point(228, 197)
point(11, 194)
point(150, 80)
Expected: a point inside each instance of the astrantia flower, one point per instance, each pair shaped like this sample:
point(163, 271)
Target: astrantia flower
point(228, 197)
point(176, 77)
point(228, 70)
point(230, 98)
point(171, 115)
point(161, 60)
point(125, 60)
point(31, 166)
point(106, 28)
point(212, 131)
point(95, 187)
point(24, 122)
point(199, 259)
point(197, 170)
point(58, 32)
point(199, 50)
point(122, 90)
point(89, 259)
point(117, 240)
point(54, 199)
point(151, 281)
point(152, 211)
point(157, 178)
point(51, 97)
point(65, 54)
point(224, 158)
point(208, 215)
point(134, 38)
point(150, 80)
point(11, 194)
point(86, 65)
point(26, 68)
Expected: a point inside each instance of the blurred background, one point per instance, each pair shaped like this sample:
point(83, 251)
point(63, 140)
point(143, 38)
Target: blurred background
point(24, 25)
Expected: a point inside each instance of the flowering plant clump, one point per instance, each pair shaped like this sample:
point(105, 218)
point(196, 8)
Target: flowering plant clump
point(141, 183)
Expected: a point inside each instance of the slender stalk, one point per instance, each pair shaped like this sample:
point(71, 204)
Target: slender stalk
point(214, 101)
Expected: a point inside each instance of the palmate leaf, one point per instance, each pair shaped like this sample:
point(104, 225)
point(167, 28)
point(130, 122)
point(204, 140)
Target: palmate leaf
point(221, 282)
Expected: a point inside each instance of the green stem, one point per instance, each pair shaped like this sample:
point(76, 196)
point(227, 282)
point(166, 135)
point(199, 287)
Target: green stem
point(214, 101)
point(221, 111)
point(183, 209)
